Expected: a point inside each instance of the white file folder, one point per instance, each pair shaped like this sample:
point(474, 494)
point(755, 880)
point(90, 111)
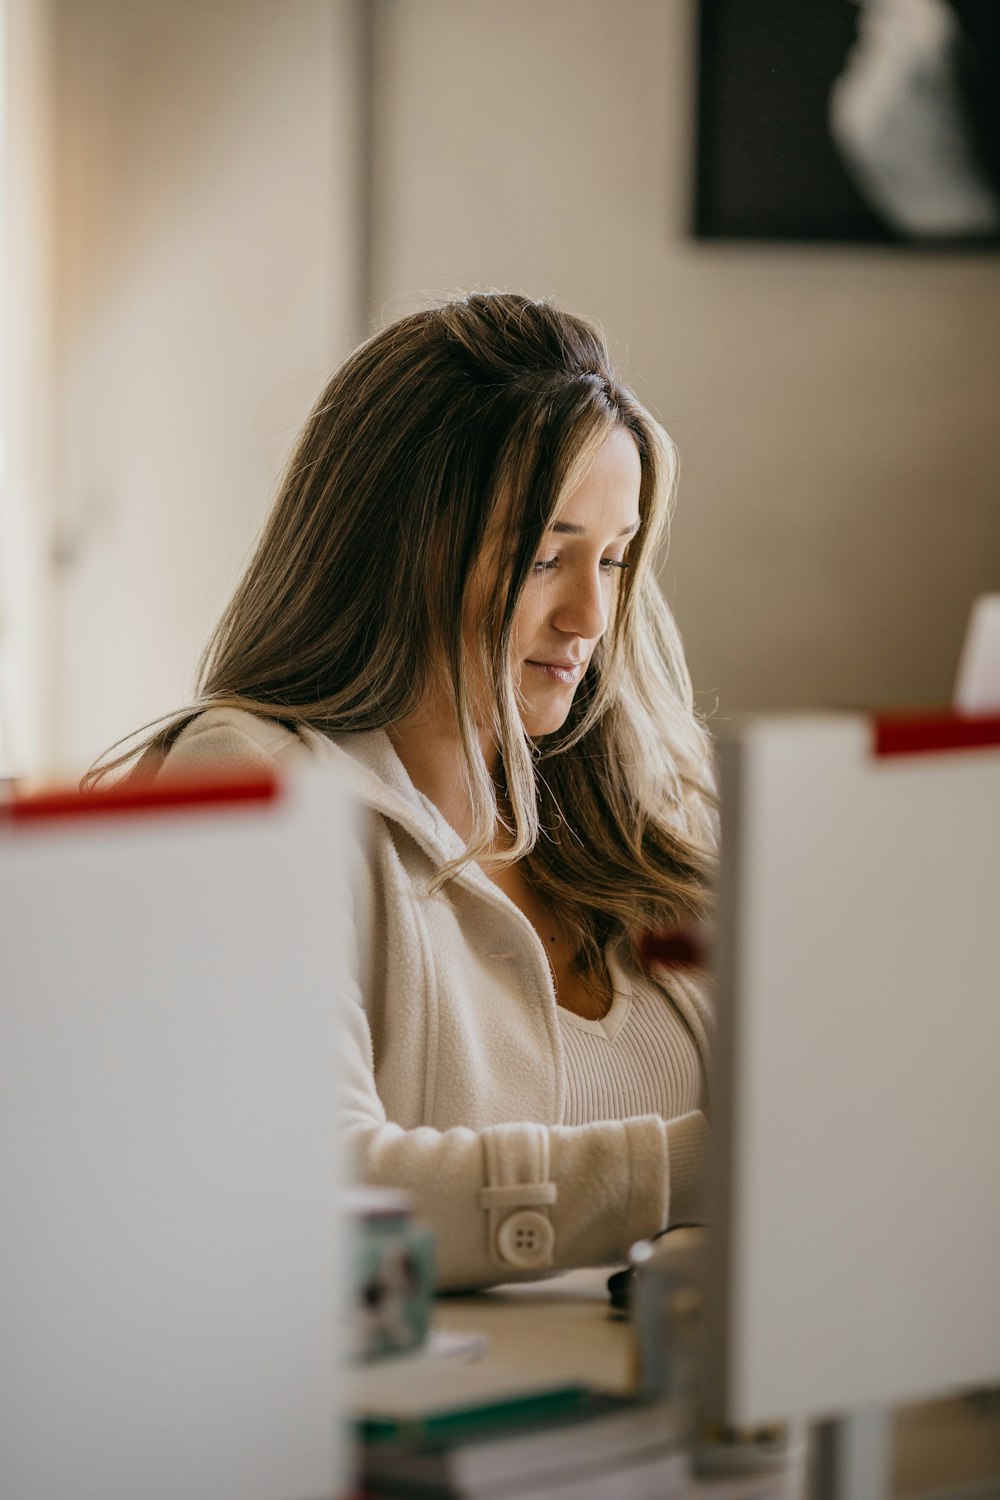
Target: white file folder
point(171, 1257)
point(855, 1233)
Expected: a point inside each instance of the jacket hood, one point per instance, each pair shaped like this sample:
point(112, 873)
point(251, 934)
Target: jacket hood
point(372, 770)
point(375, 774)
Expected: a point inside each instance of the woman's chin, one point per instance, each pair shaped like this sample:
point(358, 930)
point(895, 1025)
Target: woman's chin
point(540, 723)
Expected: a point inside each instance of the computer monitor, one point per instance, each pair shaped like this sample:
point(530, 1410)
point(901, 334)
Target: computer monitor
point(172, 1267)
point(854, 1257)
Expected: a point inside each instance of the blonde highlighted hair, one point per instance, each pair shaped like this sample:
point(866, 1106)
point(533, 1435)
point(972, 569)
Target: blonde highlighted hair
point(453, 434)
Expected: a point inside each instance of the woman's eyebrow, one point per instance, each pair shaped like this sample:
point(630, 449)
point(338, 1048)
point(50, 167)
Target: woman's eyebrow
point(566, 528)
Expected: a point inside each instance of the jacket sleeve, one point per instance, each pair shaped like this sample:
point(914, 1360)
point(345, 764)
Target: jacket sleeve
point(515, 1201)
point(508, 1202)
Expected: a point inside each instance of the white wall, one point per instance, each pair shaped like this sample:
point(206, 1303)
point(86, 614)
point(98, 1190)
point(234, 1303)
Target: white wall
point(836, 408)
point(208, 280)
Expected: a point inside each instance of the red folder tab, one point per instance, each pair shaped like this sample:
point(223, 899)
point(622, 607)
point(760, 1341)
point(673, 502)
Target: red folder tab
point(931, 732)
point(686, 949)
point(204, 793)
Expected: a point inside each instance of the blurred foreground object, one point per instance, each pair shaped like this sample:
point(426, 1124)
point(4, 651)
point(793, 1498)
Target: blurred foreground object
point(688, 948)
point(977, 690)
point(172, 1312)
point(855, 1220)
point(394, 1277)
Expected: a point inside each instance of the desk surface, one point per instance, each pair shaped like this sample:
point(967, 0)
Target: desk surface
point(564, 1328)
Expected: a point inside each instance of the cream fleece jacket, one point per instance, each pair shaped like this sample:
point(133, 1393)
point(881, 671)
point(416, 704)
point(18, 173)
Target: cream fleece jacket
point(454, 1075)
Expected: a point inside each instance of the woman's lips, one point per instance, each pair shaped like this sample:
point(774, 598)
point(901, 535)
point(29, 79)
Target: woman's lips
point(566, 672)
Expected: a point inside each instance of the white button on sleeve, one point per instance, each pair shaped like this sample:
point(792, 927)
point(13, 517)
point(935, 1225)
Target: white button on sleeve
point(526, 1240)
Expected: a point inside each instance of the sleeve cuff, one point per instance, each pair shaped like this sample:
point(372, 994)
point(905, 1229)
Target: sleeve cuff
point(688, 1143)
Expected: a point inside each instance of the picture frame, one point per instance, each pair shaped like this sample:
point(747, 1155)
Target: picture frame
point(865, 121)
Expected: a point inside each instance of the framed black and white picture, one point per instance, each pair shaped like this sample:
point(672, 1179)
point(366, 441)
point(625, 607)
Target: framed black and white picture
point(863, 120)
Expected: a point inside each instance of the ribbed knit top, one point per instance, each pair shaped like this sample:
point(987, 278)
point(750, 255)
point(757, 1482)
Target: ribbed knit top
point(639, 1059)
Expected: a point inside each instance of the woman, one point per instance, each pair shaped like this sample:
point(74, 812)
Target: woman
point(453, 603)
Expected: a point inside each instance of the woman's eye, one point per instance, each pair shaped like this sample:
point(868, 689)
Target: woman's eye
point(547, 564)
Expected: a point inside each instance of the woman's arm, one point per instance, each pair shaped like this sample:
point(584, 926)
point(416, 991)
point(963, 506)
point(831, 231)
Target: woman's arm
point(516, 1200)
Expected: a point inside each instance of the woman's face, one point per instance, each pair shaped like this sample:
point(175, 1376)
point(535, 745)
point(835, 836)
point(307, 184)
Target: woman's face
point(566, 603)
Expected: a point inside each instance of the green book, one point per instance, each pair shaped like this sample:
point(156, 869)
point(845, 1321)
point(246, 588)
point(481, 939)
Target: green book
point(601, 1439)
point(417, 1396)
point(473, 1419)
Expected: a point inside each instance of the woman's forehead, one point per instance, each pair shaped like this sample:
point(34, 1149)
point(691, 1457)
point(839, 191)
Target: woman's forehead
point(601, 494)
point(605, 496)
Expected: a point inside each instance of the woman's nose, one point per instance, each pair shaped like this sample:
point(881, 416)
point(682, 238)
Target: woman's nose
point(582, 608)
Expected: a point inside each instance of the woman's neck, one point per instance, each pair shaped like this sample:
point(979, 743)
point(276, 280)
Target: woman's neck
point(432, 753)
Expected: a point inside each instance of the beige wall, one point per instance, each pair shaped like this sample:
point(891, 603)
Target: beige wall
point(837, 410)
point(27, 371)
point(207, 206)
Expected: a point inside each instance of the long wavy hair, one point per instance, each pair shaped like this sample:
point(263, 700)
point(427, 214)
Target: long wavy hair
point(455, 434)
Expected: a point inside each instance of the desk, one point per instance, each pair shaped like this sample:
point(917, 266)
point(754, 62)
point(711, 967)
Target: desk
point(564, 1328)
